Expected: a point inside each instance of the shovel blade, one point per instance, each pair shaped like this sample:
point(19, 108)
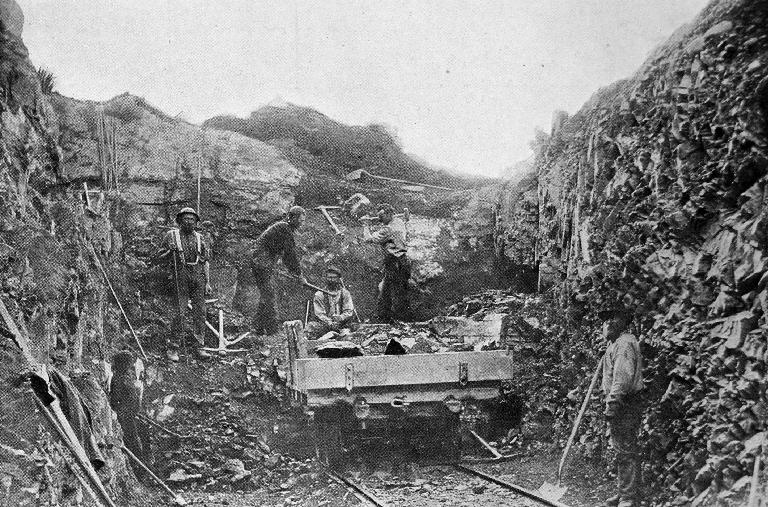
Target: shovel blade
point(551, 491)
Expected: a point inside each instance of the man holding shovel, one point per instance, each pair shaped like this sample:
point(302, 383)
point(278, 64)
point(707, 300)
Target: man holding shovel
point(192, 279)
point(275, 242)
point(622, 384)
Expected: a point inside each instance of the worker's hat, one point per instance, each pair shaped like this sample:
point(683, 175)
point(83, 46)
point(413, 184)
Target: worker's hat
point(296, 211)
point(187, 211)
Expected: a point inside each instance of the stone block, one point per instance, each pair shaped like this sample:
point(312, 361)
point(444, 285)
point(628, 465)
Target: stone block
point(733, 329)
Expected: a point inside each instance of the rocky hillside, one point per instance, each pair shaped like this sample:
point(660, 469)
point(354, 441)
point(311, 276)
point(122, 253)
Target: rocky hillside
point(53, 292)
point(654, 194)
point(334, 148)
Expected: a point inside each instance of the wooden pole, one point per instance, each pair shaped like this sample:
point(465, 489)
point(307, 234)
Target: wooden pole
point(176, 498)
point(114, 294)
point(578, 419)
point(754, 497)
point(222, 340)
point(87, 197)
point(59, 425)
point(199, 177)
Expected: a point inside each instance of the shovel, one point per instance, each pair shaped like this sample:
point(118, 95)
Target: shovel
point(556, 491)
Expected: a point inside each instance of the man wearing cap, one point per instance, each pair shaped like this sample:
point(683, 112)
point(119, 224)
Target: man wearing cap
point(275, 242)
point(622, 385)
point(193, 282)
point(392, 237)
point(333, 312)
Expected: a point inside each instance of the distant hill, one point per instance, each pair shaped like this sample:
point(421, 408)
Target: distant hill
point(333, 147)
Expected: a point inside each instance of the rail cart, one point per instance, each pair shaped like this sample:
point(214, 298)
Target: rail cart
point(410, 401)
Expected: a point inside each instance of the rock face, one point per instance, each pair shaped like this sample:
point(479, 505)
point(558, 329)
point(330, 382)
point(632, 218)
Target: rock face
point(654, 194)
point(53, 292)
point(155, 159)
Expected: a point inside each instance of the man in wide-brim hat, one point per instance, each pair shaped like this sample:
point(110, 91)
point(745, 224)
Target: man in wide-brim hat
point(192, 279)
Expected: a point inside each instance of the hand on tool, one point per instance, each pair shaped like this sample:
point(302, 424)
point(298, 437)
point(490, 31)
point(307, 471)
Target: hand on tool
point(208, 289)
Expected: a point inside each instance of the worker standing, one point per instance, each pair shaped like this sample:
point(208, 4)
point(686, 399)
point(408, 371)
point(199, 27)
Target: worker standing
point(622, 385)
point(193, 279)
point(275, 242)
point(392, 237)
point(333, 312)
point(125, 397)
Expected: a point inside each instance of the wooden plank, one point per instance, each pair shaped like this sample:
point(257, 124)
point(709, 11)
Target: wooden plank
point(411, 369)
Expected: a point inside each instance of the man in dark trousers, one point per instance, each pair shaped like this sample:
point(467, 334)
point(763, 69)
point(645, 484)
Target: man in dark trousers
point(274, 243)
point(192, 279)
point(392, 302)
point(622, 385)
point(333, 312)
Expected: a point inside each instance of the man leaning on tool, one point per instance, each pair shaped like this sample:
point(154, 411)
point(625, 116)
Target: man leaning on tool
point(275, 242)
point(392, 237)
point(622, 385)
point(333, 312)
point(192, 279)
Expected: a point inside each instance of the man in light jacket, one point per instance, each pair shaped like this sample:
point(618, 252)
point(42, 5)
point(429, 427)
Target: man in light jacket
point(622, 385)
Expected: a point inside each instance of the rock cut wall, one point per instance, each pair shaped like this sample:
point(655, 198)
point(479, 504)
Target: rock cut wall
point(654, 194)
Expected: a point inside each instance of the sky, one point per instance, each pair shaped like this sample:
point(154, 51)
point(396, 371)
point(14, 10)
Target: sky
point(464, 83)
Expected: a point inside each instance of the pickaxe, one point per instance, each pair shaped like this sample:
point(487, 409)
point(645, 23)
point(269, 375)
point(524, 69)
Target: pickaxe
point(406, 215)
point(324, 211)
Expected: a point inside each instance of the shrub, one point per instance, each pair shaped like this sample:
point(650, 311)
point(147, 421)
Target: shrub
point(47, 80)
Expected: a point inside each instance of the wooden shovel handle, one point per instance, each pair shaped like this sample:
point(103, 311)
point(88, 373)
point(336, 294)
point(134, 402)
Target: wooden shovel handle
point(578, 419)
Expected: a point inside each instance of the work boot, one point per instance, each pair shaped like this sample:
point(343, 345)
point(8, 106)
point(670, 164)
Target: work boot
point(172, 355)
point(612, 501)
point(203, 354)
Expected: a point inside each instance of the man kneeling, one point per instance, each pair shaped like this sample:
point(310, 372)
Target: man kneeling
point(333, 313)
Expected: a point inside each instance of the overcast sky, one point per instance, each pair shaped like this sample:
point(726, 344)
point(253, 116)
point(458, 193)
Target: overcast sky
point(464, 83)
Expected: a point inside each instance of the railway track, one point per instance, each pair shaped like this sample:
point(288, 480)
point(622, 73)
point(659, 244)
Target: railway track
point(367, 497)
point(357, 489)
point(510, 486)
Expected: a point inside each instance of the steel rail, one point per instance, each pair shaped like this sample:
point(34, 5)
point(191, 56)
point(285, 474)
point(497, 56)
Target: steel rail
point(358, 490)
point(508, 485)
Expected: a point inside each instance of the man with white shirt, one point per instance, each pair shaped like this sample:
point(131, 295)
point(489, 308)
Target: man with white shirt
point(392, 302)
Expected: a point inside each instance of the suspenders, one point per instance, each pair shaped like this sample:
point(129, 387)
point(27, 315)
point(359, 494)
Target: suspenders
point(180, 249)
